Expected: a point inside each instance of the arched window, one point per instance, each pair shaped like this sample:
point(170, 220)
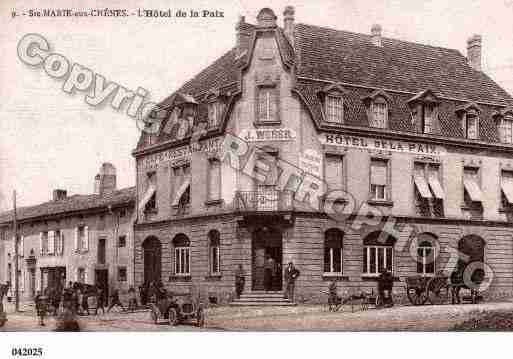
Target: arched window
point(378, 253)
point(333, 239)
point(182, 247)
point(426, 254)
point(214, 244)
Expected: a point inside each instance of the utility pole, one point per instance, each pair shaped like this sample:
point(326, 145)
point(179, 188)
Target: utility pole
point(16, 279)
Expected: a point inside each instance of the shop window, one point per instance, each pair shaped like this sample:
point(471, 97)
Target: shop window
point(333, 251)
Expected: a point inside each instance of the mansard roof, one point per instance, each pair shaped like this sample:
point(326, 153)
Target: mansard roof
point(72, 204)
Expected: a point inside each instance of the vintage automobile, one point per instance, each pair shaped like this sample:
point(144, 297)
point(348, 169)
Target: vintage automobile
point(177, 308)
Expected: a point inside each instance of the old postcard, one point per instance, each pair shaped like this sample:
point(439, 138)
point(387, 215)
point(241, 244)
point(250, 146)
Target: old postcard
point(239, 166)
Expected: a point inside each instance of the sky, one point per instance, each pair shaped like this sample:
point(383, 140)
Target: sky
point(50, 139)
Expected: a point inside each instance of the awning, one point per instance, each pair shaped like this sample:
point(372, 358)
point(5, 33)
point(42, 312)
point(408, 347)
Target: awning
point(422, 186)
point(181, 190)
point(507, 189)
point(436, 187)
point(473, 189)
point(147, 196)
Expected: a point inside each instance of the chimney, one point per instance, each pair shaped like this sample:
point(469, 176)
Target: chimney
point(59, 194)
point(376, 35)
point(105, 180)
point(474, 52)
point(288, 23)
point(242, 35)
point(266, 18)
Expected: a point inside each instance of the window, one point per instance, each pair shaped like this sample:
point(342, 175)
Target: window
point(59, 242)
point(333, 251)
point(214, 239)
point(81, 275)
point(379, 180)
point(426, 256)
point(506, 129)
point(267, 104)
point(471, 184)
point(150, 198)
point(379, 114)
point(182, 184)
point(182, 255)
point(428, 190)
point(506, 188)
point(334, 108)
point(428, 118)
point(122, 241)
point(82, 240)
point(43, 243)
point(378, 253)
point(122, 274)
point(471, 125)
point(214, 180)
point(214, 113)
point(333, 172)
point(122, 213)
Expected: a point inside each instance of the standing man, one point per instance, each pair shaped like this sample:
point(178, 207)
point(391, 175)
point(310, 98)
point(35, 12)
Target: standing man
point(41, 307)
point(291, 274)
point(269, 269)
point(240, 280)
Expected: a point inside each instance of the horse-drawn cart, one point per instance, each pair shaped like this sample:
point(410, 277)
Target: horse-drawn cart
point(421, 289)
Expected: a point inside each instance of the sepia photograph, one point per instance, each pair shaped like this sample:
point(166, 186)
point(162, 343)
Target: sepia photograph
point(233, 166)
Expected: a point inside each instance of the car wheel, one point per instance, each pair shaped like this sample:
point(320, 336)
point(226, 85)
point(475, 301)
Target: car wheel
point(172, 316)
point(200, 317)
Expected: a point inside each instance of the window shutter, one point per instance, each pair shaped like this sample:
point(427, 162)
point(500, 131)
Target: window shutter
point(41, 243)
point(379, 172)
point(333, 172)
point(86, 235)
point(51, 242)
point(76, 239)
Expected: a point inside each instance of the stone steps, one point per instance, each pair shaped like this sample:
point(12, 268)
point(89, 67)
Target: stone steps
point(261, 298)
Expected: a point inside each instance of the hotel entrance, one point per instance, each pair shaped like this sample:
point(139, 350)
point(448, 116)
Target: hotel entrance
point(267, 258)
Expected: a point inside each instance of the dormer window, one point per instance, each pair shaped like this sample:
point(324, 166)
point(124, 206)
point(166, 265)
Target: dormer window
point(379, 114)
point(469, 115)
point(506, 129)
point(267, 104)
point(214, 113)
point(334, 107)
point(424, 112)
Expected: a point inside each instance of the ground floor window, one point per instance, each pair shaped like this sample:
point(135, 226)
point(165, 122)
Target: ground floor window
point(378, 253)
point(215, 252)
point(425, 259)
point(122, 274)
point(182, 255)
point(333, 251)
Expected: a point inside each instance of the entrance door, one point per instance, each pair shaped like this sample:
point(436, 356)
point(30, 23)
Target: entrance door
point(101, 278)
point(152, 260)
point(267, 254)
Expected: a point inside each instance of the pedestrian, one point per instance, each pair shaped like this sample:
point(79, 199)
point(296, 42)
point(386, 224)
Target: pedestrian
point(100, 300)
point(67, 322)
point(84, 301)
point(75, 300)
point(41, 307)
point(269, 269)
point(56, 300)
point(132, 299)
point(240, 280)
point(142, 298)
point(114, 300)
point(291, 274)
point(385, 285)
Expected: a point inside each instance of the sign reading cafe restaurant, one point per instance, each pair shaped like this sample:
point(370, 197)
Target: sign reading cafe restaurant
point(370, 143)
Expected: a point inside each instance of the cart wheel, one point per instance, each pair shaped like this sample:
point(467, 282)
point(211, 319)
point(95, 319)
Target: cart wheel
point(200, 317)
point(417, 296)
point(438, 295)
point(173, 317)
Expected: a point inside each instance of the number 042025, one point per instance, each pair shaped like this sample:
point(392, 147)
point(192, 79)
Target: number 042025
point(25, 352)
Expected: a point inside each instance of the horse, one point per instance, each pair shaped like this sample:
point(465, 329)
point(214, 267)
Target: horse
point(458, 282)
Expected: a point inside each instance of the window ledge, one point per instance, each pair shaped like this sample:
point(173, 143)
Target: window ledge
point(213, 277)
point(335, 277)
point(214, 202)
point(385, 203)
point(179, 278)
point(374, 278)
point(258, 123)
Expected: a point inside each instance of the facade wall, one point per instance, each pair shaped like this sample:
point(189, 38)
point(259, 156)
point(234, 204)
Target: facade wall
point(109, 228)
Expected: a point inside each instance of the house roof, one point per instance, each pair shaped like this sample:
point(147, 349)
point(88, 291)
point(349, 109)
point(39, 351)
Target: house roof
point(122, 197)
point(403, 69)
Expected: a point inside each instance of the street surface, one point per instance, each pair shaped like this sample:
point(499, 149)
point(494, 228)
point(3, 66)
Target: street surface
point(300, 318)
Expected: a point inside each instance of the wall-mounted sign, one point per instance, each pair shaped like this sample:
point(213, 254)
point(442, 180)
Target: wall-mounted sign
point(268, 134)
point(310, 161)
point(372, 143)
point(211, 145)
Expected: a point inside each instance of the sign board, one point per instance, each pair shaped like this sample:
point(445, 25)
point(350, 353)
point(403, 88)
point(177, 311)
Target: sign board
point(268, 134)
point(310, 162)
point(372, 143)
point(211, 145)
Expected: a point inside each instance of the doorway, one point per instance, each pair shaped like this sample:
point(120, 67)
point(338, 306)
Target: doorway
point(267, 258)
point(152, 260)
point(101, 280)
